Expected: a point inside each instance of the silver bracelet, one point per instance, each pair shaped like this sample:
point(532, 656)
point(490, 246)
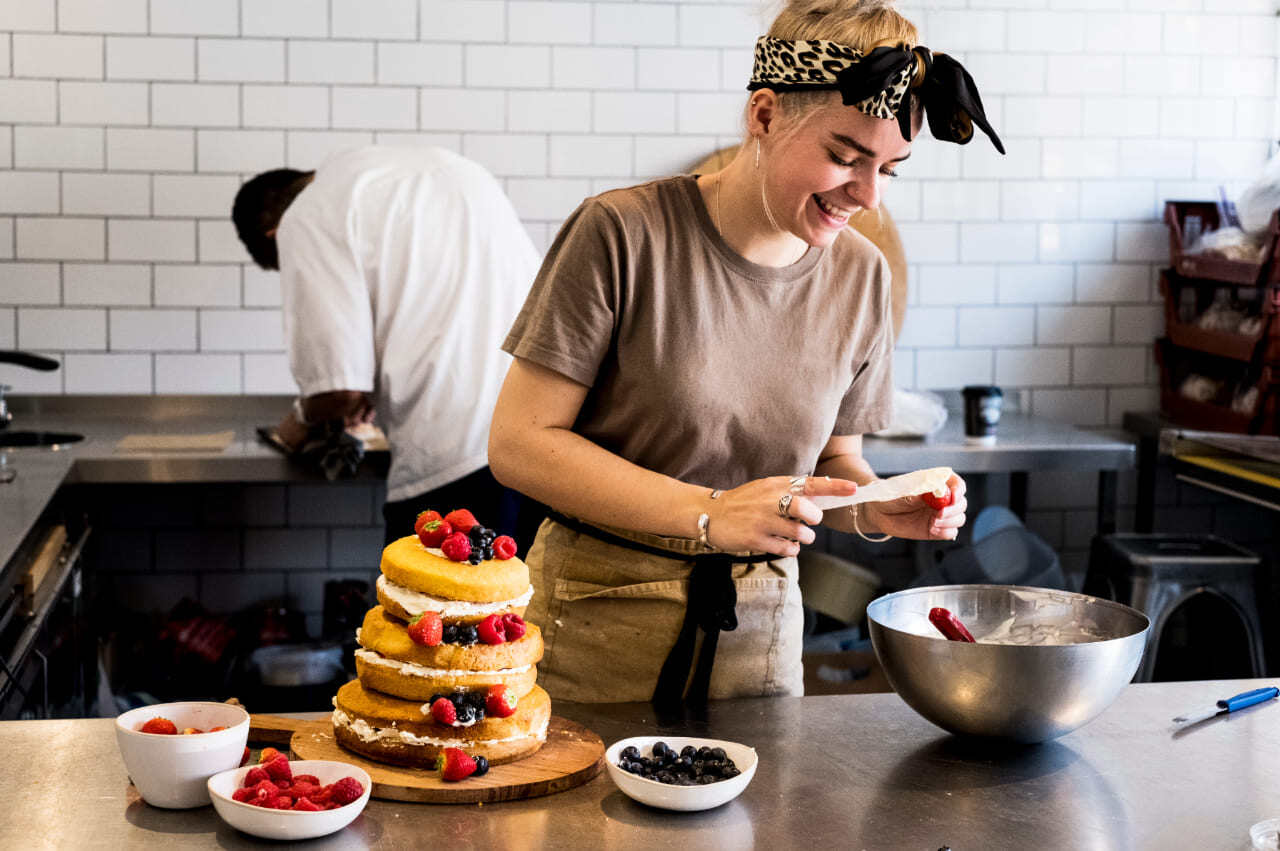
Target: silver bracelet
point(853, 509)
point(704, 529)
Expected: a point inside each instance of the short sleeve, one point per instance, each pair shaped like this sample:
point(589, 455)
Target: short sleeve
point(568, 320)
point(868, 404)
point(328, 315)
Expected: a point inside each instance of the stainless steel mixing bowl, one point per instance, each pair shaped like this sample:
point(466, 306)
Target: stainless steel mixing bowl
point(1022, 692)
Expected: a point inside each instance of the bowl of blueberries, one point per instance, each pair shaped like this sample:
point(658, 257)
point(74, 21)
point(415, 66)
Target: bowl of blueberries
point(680, 772)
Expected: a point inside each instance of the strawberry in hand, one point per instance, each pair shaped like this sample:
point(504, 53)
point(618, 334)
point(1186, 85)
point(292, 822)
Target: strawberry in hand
point(920, 517)
point(937, 503)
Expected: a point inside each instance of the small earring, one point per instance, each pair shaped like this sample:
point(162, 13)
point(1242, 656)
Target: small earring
point(757, 152)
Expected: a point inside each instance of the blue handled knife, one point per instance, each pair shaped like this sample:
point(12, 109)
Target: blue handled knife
point(1231, 704)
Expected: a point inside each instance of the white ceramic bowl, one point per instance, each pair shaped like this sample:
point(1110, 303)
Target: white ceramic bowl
point(170, 771)
point(686, 798)
point(289, 824)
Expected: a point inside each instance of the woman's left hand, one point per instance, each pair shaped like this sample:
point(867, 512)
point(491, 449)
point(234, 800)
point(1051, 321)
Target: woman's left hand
point(912, 517)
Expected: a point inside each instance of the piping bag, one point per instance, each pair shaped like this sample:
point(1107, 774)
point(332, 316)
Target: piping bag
point(932, 480)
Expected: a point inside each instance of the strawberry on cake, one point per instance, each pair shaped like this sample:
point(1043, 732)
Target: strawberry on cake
point(446, 661)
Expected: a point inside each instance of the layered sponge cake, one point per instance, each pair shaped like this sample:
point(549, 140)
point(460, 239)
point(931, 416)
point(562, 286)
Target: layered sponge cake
point(417, 579)
point(446, 660)
point(392, 663)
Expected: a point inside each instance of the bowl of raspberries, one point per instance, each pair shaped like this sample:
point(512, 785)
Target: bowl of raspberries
point(680, 772)
point(171, 749)
point(282, 799)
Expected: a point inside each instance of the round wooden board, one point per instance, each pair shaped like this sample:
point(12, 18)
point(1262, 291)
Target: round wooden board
point(571, 756)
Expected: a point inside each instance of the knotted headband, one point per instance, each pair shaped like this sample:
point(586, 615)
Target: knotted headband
point(877, 83)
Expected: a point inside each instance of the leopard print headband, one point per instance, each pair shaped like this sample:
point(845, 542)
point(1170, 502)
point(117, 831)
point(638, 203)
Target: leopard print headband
point(877, 83)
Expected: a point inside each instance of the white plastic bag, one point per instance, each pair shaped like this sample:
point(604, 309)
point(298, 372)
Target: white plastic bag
point(1261, 199)
point(915, 414)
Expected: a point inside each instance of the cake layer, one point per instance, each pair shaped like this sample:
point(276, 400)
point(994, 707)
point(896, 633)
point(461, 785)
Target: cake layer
point(393, 730)
point(407, 604)
point(399, 752)
point(407, 562)
point(389, 637)
point(414, 682)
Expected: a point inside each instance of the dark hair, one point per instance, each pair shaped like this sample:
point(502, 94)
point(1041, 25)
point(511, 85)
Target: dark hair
point(258, 207)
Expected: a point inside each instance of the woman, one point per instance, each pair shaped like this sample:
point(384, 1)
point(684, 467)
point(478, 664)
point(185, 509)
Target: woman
point(699, 358)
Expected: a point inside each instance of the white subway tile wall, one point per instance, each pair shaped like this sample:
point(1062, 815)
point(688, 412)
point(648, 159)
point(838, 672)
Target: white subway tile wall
point(128, 127)
point(105, 194)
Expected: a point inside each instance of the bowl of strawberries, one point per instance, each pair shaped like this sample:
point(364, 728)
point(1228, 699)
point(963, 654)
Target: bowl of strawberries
point(171, 749)
point(280, 799)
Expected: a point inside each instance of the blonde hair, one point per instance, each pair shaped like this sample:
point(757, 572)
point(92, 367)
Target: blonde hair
point(861, 24)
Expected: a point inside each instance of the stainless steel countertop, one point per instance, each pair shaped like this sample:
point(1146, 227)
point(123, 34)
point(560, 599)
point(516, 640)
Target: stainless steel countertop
point(1023, 444)
point(853, 771)
point(104, 420)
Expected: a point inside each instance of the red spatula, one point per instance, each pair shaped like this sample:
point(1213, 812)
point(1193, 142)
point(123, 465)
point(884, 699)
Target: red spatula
point(949, 625)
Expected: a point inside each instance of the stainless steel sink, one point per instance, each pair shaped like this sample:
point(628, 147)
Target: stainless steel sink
point(42, 439)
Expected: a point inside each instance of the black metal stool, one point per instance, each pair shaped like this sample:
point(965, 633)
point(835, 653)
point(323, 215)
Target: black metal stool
point(1156, 574)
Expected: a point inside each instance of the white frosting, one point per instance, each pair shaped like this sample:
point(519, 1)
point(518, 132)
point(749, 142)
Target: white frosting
point(412, 669)
point(415, 602)
point(368, 733)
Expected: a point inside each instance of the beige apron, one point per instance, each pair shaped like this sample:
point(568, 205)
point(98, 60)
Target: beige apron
point(610, 615)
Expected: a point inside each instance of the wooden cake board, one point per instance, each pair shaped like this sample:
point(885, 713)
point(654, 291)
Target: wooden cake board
point(571, 756)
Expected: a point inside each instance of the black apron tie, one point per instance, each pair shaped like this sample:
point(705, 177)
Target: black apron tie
point(710, 604)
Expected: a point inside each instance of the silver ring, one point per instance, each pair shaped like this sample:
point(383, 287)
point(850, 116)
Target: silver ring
point(798, 483)
point(784, 505)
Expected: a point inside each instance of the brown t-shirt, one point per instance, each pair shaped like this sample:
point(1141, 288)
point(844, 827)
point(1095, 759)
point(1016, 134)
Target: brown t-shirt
point(702, 365)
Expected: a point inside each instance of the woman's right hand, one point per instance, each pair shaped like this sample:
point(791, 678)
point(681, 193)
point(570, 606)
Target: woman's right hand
point(747, 517)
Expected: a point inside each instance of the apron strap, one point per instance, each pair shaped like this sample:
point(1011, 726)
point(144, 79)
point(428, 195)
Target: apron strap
point(709, 606)
point(711, 601)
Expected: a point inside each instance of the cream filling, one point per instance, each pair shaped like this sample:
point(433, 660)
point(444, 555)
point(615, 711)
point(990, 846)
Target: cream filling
point(413, 669)
point(367, 733)
point(415, 602)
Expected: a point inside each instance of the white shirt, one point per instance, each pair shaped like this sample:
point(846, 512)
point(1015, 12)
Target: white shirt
point(401, 271)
